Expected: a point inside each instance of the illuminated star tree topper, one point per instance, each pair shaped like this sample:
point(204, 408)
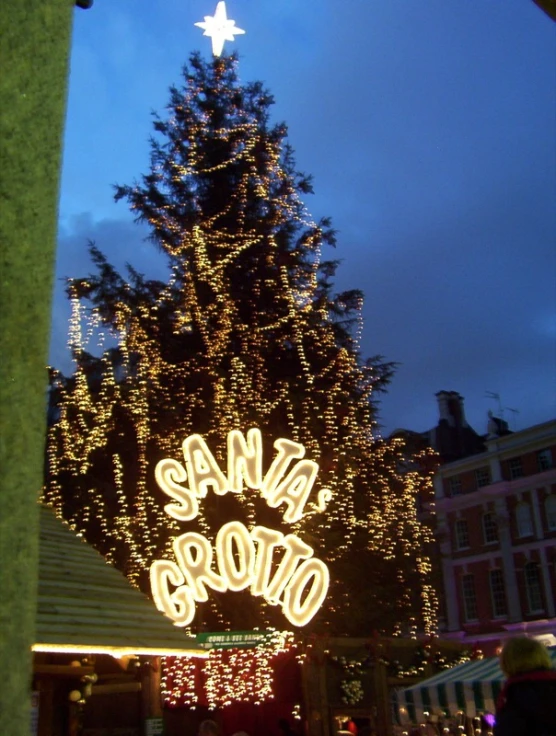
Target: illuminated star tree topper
point(219, 28)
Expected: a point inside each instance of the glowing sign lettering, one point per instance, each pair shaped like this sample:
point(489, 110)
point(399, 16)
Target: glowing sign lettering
point(245, 459)
point(279, 567)
point(236, 577)
point(268, 539)
point(178, 605)
point(202, 468)
point(169, 474)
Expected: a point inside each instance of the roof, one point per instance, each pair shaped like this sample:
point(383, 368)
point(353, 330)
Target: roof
point(472, 687)
point(87, 606)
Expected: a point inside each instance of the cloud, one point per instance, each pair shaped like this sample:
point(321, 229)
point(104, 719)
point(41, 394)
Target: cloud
point(465, 304)
point(427, 129)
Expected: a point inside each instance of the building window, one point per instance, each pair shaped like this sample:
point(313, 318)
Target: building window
point(550, 508)
point(498, 594)
point(454, 485)
point(515, 467)
point(544, 460)
point(533, 587)
point(523, 520)
point(462, 534)
point(482, 477)
point(490, 528)
point(469, 598)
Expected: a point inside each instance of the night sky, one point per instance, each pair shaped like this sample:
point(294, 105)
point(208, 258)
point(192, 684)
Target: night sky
point(429, 129)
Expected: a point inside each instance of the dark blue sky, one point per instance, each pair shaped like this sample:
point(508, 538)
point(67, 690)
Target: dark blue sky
point(429, 129)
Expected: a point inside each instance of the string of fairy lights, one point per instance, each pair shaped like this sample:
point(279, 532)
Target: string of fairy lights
point(227, 675)
point(242, 334)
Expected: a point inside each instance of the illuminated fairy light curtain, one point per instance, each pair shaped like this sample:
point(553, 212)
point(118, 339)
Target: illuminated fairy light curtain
point(226, 677)
point(180, 682)
point(245, 332)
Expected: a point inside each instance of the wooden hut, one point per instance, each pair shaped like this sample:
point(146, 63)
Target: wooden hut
point(97, 644)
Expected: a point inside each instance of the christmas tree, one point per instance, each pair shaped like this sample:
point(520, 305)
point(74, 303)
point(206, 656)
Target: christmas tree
point(246, 334)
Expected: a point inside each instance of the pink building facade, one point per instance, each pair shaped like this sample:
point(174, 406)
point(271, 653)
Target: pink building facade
point(496, 532)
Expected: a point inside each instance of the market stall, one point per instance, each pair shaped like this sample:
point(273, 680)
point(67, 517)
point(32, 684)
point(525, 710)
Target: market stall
point(98, 642)
point(468, 691)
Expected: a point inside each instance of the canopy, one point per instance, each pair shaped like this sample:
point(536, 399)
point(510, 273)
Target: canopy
point(86, 606)
point(471, 688)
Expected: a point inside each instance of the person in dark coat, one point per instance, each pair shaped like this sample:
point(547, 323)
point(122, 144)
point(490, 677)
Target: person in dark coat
point(527, 703)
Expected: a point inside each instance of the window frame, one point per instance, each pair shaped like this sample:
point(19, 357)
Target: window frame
point(469, 596)
point(520, 520)
point(545, 453)
point(481, 475)
point(550, 511)
point(529, 591)
point(455, 486)
point(515, 467)
point(490, 527)
point(498, 592)
point(461, 524)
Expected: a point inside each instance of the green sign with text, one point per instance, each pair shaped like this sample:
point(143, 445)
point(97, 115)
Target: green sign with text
point(232, 639)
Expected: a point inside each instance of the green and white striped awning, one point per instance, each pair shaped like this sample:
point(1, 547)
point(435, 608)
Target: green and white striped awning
point(471, 688)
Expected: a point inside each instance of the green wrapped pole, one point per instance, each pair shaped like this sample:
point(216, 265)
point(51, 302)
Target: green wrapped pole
point(549, 7)
point(34, 59)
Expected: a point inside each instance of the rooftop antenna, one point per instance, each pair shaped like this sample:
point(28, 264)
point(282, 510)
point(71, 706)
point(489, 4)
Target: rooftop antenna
point(496, 397)
point(514, 418)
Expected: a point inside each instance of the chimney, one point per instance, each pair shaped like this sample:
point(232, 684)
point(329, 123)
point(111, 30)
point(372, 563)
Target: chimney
point(450, 408)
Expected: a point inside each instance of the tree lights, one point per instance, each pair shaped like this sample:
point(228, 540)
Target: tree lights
point(229, 675)
point(247, 353)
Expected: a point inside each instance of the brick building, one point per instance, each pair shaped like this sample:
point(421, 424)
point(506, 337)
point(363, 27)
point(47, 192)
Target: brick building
point(495, 500)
